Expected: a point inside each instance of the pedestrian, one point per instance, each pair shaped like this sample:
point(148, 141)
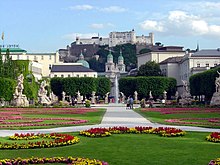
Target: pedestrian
point(131, 102)
point(128, 103)
point(73, 101)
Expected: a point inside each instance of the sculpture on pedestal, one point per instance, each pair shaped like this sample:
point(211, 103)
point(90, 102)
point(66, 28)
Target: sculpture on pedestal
point(135, 96)
point(216, 96)
point(93, 97)
point(106, 98)
point(186, 97)
point(19, 99)
point(79, 98)
point(42, 94)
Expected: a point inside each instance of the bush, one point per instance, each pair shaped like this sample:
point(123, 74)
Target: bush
point(87, 104)
point(7, 88)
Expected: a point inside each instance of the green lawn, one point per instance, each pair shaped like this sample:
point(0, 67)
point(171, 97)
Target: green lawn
point(129, 149)
point(157, 117)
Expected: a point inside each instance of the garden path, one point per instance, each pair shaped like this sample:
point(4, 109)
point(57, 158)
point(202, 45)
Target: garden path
point(114, 116)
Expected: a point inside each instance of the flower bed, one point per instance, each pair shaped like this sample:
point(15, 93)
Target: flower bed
point(15, 117)
point(58, 140)
point(36, 160)
point(162, 131)
point(214, 137)
point(215, 162)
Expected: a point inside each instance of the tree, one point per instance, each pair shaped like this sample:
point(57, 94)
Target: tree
point(150, 68)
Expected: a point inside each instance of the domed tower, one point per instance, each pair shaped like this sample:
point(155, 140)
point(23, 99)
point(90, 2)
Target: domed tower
point(82, 61)
point(109, 66)
point(121, 65)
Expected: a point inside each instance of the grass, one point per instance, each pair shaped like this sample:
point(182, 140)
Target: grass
point(157, 117)
point(92, 118)
point(127, 149)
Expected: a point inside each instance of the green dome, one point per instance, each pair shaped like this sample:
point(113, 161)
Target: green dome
point(120, 57)
point(84, 63)
point(110, 55)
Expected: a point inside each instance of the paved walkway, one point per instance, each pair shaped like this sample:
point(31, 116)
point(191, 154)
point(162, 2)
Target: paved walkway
point(114, 116)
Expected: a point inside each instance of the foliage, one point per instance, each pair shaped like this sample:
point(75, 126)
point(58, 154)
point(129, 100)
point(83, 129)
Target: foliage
point(87, 103)
point(7, 87)
point(96, 65)
point(199, 85)
point(56, 84)
point(150, 68)
point(143, 85)
point(103, 86)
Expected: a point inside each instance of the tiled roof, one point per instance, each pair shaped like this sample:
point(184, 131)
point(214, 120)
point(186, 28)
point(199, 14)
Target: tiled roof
point(18, 50)
point(70, 68)
point(207, 52)
point(172, 60)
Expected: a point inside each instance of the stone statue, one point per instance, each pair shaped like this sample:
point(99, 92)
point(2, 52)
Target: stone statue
point(53, 97)
point(106, 98)
point(42, 94)
point(150, 95)
point(135, 96)
point(176, 95)
point(165, 95)
point(185, 85)
point(63, 96)
point(79, 98)
point(216, 95)
point(93, 97)
point(19, 99)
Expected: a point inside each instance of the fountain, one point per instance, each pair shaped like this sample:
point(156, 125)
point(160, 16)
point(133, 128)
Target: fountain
point(116, 89)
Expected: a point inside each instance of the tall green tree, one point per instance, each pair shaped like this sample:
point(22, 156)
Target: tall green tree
point(1, 64)
point(150, 68)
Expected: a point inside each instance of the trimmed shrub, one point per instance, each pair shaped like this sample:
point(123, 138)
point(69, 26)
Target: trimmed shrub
point(7, 87)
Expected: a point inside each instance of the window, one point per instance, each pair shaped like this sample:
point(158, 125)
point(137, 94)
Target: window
point(55, 75)
point(198, 65)
point(50, 66)
point(207, 65)
point(77, 75)
point(50, 57)
point(35, 58)
point(62, 75)
point(84, 75)
point(215, 64)
point(68, 75)
point(27, 57)
point(94, 75)
point(17, 57)
point(42, 57)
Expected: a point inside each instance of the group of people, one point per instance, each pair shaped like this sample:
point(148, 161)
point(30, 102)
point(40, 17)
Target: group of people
point(130, 102)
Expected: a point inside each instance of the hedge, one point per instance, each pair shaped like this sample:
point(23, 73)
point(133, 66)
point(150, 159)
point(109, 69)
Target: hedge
point(7, 87)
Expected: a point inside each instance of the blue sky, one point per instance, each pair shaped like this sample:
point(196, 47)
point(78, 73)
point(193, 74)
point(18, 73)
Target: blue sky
point(48, 25)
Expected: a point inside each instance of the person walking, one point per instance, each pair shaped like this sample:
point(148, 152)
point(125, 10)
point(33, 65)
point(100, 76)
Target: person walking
point(131, 102)
point(128, 103)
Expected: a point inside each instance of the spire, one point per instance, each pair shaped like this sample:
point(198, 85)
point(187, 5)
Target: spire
point(197, 48)
point(81, 56)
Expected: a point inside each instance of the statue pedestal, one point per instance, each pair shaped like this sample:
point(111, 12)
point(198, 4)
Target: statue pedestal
point(215, 99)
point(186, 99)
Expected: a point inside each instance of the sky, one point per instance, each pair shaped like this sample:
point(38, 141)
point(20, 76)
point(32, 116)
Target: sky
point(49, 25)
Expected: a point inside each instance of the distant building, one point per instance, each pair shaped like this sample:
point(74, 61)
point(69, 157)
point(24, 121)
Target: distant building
point(71, 70)
point(159, 53)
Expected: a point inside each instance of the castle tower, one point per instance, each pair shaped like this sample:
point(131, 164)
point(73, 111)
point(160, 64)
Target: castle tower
point(121, 65)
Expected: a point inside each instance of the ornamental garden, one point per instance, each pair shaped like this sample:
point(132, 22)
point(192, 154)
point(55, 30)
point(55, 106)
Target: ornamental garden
point(113, 145)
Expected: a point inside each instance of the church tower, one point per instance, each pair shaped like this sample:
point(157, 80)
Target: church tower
point(110, 66)
point(121, 65)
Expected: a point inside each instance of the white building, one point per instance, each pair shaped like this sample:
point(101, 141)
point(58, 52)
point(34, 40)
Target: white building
point(159, 54)
point(118, 38)
point(71, 70)
point(45, 60)
point(181, 68)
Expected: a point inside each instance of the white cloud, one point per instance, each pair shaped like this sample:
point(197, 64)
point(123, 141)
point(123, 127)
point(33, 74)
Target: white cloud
point(101, 25)
point(113, 9)
point(97, 26)
point(81, 7)
point(152, 25)
point(73, 36)
point(182, 24)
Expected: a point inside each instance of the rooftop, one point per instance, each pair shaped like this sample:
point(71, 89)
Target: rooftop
point(16, 50)
point(207, 52)
point(172, 60)
point(70, 68)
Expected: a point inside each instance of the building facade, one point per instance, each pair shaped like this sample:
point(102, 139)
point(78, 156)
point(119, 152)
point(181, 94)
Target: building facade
point(159, 54)
point(71, 70)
